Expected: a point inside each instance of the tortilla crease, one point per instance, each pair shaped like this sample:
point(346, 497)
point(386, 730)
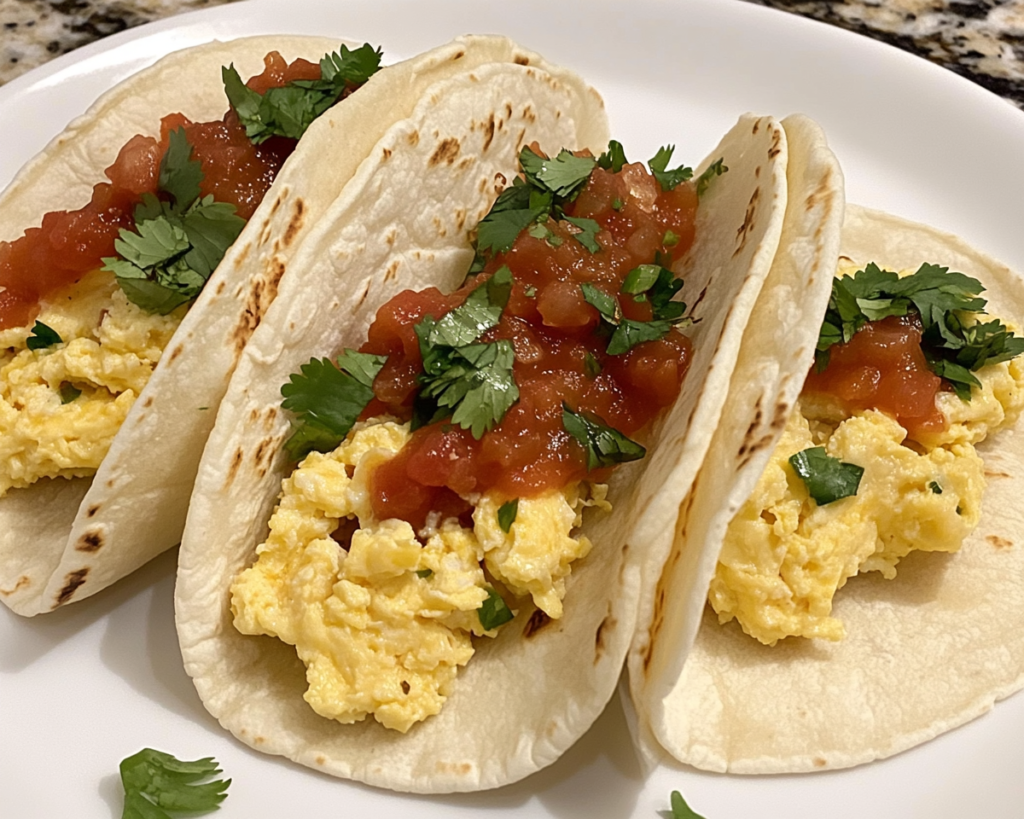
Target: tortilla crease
point(924, 653)
point(500, 724)
point(96, 531)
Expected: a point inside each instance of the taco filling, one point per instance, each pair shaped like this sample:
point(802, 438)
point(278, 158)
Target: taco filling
point(448, 461)
point(878, 459)
point(90, 299)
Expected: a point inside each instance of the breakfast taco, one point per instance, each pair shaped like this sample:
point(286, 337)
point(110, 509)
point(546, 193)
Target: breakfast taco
point(905, 439)
point(455, 439)
point(122, 320)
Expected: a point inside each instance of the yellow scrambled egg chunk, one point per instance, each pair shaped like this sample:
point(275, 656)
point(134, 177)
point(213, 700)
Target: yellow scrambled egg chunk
point(108, 351)
point(784, 556)
point(383, 625)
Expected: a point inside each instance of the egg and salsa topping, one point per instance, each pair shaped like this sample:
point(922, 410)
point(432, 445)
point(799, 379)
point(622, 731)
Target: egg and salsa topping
point(878, 459)
point(445, 465)
point(90, 298)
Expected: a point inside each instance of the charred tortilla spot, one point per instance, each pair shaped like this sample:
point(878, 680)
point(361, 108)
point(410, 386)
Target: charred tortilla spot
point(221, 287)
point(258, 740)
point(295, 224)
point(606, 627)
point(458, 56)
point(22, 582)
point(700, 298)
point(743, 232)
point(757, 172)
point(392, 235)
point(262, 292)
point(520, 140)
point(148, 402)
point(447, 152)
point(362, 298)
point(392, 270)
point(460, 218)
point(91, 542)
point(528, 114)
point(92, 511)
point(277, 204)
point(442, 231)
point(413, 138)
point(236, 462)
point(490, 134)
point(819, 762)
point(321, 760)
point(508, 110)
point(999, 542)
point(522, 59)
point(240, 258)
point(775, 150)
point(462, 768)
point(992, 473)
point(387, 153)
point(466, 163)
point(536, 622)
point(174, 354)
point(264, 447)
point(72, 583)
point(757, 125)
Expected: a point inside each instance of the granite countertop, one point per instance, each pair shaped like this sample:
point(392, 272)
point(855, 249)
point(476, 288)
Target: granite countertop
point(982, 40)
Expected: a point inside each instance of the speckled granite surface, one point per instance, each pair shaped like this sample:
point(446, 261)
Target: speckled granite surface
point(981, 39)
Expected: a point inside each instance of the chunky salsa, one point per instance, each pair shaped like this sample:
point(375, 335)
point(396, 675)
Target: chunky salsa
point(561, 343)
point(69, 244)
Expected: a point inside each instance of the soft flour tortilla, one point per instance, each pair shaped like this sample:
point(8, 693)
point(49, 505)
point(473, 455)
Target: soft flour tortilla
point(65, 540)
point(924, 653)
point(527, 695)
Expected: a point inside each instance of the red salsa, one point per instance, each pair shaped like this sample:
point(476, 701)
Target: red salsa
point(69, 244)
point(882, 367)
point(559, 353)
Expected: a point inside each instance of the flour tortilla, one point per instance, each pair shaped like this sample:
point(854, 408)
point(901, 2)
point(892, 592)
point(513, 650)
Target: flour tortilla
point(526, 696)
point(62, 540)
point(924, 653)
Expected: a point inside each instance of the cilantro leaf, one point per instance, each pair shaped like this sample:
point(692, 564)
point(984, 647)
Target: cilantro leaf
point(478, 313)
point(68, 392)
point(327, 400)
point(604, 445)
point(43, 336)
point(606, 305)
point(155, 782)
point(935, 487)
point(827, 479)
point(588, 232)
point(659, 285)
point(425, 573)
point(653, 282)
point(669, 180)
point(629, 333)
point(563, 175)
point(290, 109)
point(507, 514)
point(494, 611)
point(681, 810)
point(515, 209)
point(614, 158)
point(591, 366)
point(716, 168)
point(180, 174)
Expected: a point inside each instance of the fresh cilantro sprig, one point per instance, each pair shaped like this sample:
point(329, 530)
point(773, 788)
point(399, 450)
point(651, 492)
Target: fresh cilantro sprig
point(43, 336)
point(652, 283)
point(614, 158)
point(827, 479)
point(290, 109)
point(494, 611)
point(715, 169)
point(155, 783)
point(668, 179)
point(604, 445)
point(176, 244)
point(327, 399)
point(469, 380)
point(954, 346)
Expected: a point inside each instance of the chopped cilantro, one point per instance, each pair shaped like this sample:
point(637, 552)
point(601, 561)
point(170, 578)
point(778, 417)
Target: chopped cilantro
point(716, 168)
point(613, 159)
point(176, 246)
point(670, 239)
point(604, 445)
point(472, 381)
point(591, 366)
point(507, 514)
point(617, 204)
point(494, 611)
point(516, 208)
point(647, 282)
point(425, 573)
point(327, 400)
point(954, 347)
point(530, 292)
point(155, 782)
point(827, 479)
point(669, 180)
point(43, 336)
point(289, 110)
point(563, 175)
point(936, 489)
point(68, 392)
point(588, 232)
point(681, 810)
point(606, 305)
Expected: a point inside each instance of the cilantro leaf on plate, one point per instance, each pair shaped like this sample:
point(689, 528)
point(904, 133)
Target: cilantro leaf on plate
point(327, 400)
point(604, 445)
point(155, 783)
point(827, 479)
point(680, 809)
point(290, 109)
point(43, 336)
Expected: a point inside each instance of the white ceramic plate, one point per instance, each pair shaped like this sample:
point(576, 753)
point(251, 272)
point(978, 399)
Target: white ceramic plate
point(84, 687)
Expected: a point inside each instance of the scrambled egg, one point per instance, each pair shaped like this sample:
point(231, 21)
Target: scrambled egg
point(384, 624)
point(108, 351)
point(784, 557)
